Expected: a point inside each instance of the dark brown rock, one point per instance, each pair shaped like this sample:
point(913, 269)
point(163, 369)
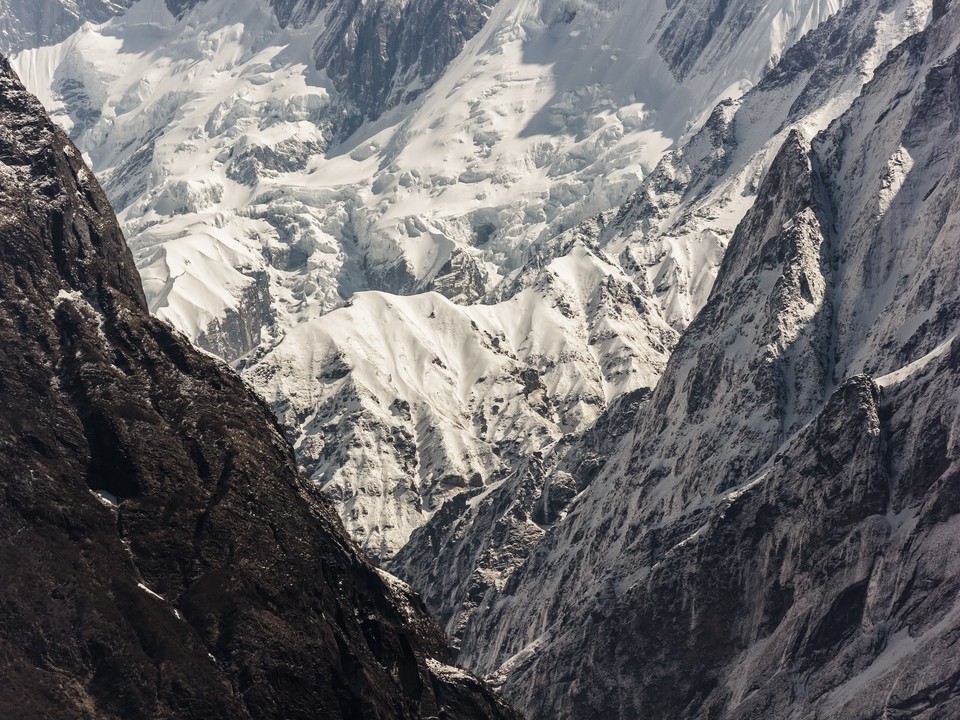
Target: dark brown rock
point(161, 555)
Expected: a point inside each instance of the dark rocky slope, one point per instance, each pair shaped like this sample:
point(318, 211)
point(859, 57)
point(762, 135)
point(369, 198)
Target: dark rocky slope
point(161, 555)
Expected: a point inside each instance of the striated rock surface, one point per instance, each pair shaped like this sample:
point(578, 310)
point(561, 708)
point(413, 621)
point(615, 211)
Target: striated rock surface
point(778, 535)
point(670, 235)
point(162, 555)
point(475, 541)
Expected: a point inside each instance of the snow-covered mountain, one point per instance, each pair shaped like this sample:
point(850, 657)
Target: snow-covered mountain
point(777, 535)
point(252, 217)
point(401, 403)
point(205, 173)
point(271, 160)
point(162, 555)
point(667, 237)
point(623, 331)
point(222, 146)
point(35, 23)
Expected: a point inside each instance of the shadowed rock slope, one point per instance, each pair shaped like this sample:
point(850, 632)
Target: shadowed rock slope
point(778, 535)
point(161, 555)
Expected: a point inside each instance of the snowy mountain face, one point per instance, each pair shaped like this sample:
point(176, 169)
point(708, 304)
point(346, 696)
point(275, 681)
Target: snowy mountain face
point(128, 92)
point(374, 51)
point(222, 134)
point(435, 400)
point(671, 233)
point(667, 237)
point(777, 535)
point(541, 123)
point(35, 23)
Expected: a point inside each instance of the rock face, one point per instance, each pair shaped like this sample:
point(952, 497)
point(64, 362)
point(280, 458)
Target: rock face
point(670, 235)
point(162, 556)
point(777, 537)
point(475, 541)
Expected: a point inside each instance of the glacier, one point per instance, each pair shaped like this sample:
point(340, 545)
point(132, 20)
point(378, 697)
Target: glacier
point(262, 187)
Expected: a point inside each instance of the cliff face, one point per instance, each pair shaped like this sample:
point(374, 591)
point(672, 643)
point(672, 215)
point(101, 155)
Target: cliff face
point(777, 537)
point(162, 556)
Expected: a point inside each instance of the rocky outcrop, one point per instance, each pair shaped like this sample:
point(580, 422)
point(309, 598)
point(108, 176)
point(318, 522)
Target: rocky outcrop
point(162, 555)
point(375, 51)
point(240, 330)
point(809, 571)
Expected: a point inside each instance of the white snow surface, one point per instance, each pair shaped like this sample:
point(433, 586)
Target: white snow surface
point(548, 116)
point(216, 140)
point(400, 402)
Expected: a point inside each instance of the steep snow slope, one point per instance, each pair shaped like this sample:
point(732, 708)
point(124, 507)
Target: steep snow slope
point(29, 23)
point(398, 404)
point(213, 134)
point(549, 117)
point(777, 536)
point(374, 50)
